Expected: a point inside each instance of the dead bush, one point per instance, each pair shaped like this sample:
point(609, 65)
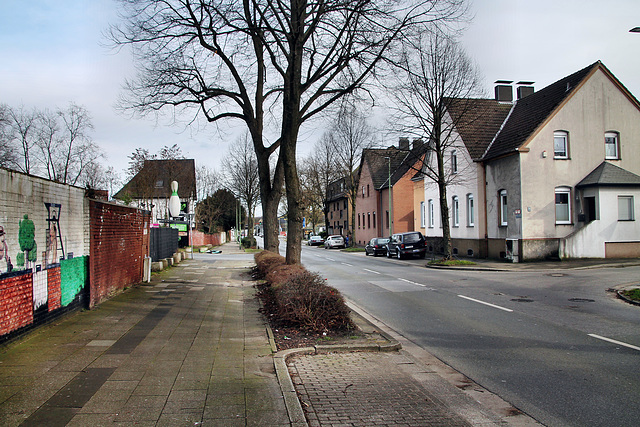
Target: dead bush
point(267, 261)
point(282, 273)
point(307, 302)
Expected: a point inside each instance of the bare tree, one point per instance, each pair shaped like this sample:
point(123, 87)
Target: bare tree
point(8, 156)
point(241, 176)
point(242, 60)
point(207, 182)
point(437, 75)
point(351, 134)
point(77, 149)
point(22, 134)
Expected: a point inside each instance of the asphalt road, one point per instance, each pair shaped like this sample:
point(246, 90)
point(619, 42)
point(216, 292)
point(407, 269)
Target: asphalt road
point(555, 344)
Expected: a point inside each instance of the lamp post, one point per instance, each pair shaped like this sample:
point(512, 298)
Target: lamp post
point(389, 181)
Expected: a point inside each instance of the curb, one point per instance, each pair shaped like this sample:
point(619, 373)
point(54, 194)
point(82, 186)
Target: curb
point(627, 300)
point(296, 414)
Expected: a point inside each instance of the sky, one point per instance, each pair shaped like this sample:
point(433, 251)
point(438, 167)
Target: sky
point(53, 52)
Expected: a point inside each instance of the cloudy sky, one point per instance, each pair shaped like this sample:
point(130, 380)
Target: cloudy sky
point(52, 53)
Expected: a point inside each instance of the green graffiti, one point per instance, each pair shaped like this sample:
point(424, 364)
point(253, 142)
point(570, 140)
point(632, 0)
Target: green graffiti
point(27, 240)
point(74, 273)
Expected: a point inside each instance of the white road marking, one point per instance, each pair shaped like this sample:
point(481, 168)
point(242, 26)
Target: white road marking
point(486, 303)
point(614, 341)
point(348, 265)
point(413, 283)
point(370, 271)
point(329, 259)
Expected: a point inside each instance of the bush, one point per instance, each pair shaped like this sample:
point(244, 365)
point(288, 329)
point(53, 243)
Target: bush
point(282, 273)
point(323, 234)
point(267, 261)
point(306, 301)
point(249, 242)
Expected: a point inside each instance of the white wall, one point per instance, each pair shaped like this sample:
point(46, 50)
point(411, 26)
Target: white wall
point(22, 194)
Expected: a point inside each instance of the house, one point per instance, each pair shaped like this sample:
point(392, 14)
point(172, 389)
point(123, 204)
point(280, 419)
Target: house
point(383, 209)
point(150, 188)
point(338, 208)
point(560, 172)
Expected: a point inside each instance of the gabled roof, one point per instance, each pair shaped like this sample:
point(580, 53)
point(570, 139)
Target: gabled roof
point(408, 163)
point(154, 180)
point(376, 159)
point(609, 175)
point(531, 112)
point(477, 121)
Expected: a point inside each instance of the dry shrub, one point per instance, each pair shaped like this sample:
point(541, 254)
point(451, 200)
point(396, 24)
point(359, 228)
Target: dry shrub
point(267, 261)
point(307, 302)
point(282, 273)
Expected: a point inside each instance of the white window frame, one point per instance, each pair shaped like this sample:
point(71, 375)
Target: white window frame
point(502, 201)
point(455, 211)
point(565, 191)
point(628, 203)
point(454, 161)
point(431, 214)
point(561, 135)
point(616, 144)
point(422, 215)
point(470, 211)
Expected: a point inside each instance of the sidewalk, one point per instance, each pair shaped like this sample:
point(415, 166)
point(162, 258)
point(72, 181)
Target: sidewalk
point(190, 348)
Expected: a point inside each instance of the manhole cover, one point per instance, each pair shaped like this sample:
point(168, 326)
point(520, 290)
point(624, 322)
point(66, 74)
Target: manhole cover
point(522, 300)
point(581, 300)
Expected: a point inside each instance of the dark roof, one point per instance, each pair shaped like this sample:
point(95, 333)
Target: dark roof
point(530, 112)
point(154, 180)
point(608, 174)
point(477, 121)
point(402, 161)
point(409, 163)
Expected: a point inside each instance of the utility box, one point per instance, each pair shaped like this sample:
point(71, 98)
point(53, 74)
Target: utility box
point(512, 252)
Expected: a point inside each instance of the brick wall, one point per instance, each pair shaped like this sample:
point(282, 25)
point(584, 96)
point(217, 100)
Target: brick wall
point(119, 236)
point(198, 238)
point(16, 295)
point(53, 286)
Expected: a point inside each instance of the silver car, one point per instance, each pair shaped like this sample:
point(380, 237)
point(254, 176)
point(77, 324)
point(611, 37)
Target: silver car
point(336, 241)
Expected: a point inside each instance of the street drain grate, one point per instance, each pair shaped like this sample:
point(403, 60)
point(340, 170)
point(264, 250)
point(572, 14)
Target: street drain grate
point(522, 299)
point(581, 300)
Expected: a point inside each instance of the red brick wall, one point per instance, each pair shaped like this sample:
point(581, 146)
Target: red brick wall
point(365, 207)
point(198, 238)
point(402, 195)
point(16, 302)
point(119, 241)
point(53, 288)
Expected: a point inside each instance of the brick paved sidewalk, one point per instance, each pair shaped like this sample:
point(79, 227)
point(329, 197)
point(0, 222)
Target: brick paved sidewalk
point(367, 389)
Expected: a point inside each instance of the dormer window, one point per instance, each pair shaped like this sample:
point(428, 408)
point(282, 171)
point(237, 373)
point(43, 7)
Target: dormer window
point(159, 183)
point(454, 161)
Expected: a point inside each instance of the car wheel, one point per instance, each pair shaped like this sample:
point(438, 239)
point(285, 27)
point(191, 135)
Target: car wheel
point(388, 253)
point(366, 253)
point(398, 254)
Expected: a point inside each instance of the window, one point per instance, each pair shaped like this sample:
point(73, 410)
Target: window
point(422, 215)
point(455, 211)
point(374, 219)
point(359, 220)
point(563, 205)
point(611, 148)
point(367, 190)
point(431, 216)
point(625, 208)
point(368, 219)
point(560, 145)
point(159, 183)
point(503, 207)
point(345, 204)
point(363, 191)
point(470, 211)
point(454, 161)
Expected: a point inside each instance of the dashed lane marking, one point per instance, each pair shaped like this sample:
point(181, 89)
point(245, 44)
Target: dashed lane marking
point(485, 303)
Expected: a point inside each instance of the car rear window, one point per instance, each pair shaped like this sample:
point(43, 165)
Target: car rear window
point(412, 238)
point(382, 241)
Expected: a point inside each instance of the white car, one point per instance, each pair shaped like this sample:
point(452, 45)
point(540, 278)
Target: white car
point(336, 241)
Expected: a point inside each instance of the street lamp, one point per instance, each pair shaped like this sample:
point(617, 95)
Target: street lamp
point(389, 181)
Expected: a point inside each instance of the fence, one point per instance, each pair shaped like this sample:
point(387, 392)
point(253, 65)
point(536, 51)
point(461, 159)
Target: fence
point(164, 243)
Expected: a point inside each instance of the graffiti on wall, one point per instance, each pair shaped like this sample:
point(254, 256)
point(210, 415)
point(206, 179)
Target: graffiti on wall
point(4, 250)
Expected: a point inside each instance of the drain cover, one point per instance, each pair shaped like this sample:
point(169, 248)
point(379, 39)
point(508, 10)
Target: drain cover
point(522, 300)
point(581, 300)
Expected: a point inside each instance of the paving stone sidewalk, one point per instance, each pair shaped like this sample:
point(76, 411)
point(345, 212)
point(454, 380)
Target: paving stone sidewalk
point(188, 349)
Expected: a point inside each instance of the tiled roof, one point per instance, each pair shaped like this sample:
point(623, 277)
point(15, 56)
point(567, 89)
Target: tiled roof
point(477, 121)
point(376, 159)
point(608, 174)
point(530, 112)
point(154, 180)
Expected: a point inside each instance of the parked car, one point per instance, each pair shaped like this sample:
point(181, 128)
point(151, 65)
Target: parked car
point(402, 245)
point(315, 241)
point(336, 241)
point(376, 246)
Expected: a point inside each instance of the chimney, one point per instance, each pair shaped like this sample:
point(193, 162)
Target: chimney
point(417, 142)
point(524, 89)
point(504, 91)
point(403, 144)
